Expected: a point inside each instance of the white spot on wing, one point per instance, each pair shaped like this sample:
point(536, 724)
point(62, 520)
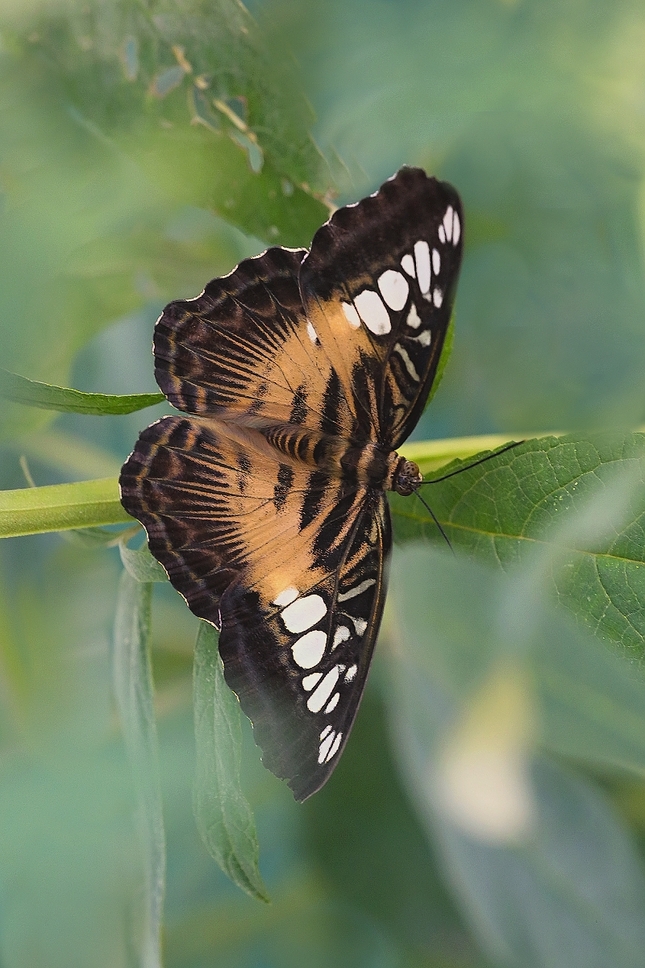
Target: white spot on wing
point(394, 288)
point(437, 297)
point(312, 334)
point(310, 681)
point(351, 315)
point(441, 234)
point(309, 649)
point(413, 319)
point(286, 597)
point(357, 589)
point(318, 698)
point(422, 256)
point(350, 675)
point(436, 262)
point(425, 337)
point(456, 229)
point(325, 746)
point(373, 312)
point(334, 748)
point(359, 624)
point(327, 729)
point(407, 263)
point(341, 635)
point(447, 222)
point(407, 362)
point(333, 702)
point(304, 613)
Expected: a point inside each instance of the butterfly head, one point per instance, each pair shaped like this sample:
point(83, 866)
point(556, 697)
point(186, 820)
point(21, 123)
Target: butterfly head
point(407, 477)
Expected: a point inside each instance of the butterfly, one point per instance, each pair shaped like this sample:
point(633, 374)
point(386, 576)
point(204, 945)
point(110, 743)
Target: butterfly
point(299, 375)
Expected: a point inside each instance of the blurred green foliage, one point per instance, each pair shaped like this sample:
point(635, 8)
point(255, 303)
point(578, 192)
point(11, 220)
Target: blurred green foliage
point(489, 809)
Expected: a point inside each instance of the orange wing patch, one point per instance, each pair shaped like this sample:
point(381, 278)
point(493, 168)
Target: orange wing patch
point(246, 351)
point(217, 500)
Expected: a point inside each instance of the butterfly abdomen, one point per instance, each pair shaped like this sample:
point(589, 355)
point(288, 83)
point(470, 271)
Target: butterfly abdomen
point(367, 464)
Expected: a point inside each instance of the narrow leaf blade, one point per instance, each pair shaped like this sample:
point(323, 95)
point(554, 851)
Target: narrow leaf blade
point(134, 694)
point(45, 396)
point(140, 564)
point(224, 817)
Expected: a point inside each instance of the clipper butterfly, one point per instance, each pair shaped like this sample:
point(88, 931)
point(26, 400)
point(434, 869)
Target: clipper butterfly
point(298, 375)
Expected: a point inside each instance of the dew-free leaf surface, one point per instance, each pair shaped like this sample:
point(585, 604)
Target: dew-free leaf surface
point(485, 700)
point(134, 694)
point(224, 817)
point(575, 504)
point(33, 393)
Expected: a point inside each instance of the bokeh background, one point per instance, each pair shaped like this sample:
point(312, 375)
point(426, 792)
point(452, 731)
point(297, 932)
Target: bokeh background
point(147, 146)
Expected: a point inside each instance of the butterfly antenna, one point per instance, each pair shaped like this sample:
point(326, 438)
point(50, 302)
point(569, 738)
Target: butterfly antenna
point(436, 520)
point(460, 470)
point(476, 463)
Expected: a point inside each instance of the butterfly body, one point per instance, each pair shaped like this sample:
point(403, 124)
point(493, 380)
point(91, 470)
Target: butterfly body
point(301, 373)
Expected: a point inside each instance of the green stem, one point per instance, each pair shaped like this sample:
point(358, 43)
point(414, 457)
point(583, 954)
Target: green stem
point(61, 507)
point(86, 504)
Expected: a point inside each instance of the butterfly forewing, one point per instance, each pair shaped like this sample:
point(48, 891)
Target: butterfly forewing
point(383, 318)
point(244, 349)
point(301, 373)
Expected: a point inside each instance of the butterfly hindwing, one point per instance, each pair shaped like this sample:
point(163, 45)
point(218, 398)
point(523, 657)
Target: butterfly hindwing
point(297, 631)
point(299, 661)
point(216, 500)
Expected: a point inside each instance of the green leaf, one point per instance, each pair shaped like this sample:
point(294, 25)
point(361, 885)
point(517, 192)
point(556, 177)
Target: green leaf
point(188, 53)
point(487, 682)
point(140, 564)
point(217, 176)
point(579, 498)
point(96, 170)
point(446, 352)
point(224, 817)
point(571, 896)
point(19, 389)
point(592, 703)
point(134, 694)
point(59, 507)
point(92, 537)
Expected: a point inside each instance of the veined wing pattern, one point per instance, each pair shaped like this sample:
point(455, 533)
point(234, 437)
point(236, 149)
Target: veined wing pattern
point(300, 374)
